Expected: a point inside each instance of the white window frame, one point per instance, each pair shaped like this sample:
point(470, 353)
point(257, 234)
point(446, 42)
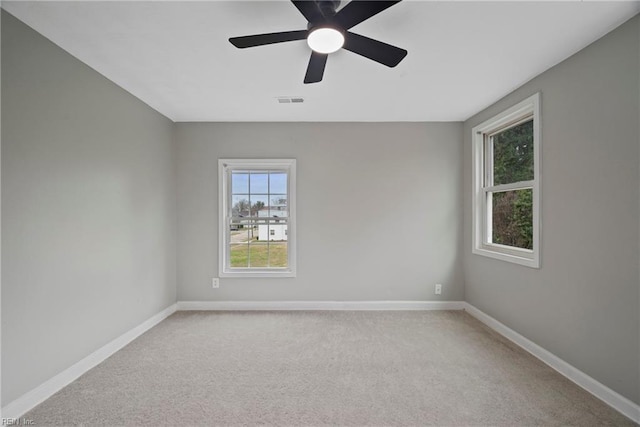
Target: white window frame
point(482, 215)
point(225, 167)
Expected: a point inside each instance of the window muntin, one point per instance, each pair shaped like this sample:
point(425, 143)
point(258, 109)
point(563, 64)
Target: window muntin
point(506, 185)
point(257, 218)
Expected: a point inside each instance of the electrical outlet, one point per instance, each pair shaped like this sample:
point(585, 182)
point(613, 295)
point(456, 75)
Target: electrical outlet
point(438, 288)
point(215, 283)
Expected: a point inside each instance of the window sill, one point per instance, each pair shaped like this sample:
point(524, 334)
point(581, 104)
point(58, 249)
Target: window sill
point(257, 274)
point(531, 261)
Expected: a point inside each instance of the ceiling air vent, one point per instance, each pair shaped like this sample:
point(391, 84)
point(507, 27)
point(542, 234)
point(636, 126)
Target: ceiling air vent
point(290, 100)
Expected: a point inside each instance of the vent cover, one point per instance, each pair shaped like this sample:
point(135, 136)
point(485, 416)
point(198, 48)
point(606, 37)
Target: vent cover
point(290, 100)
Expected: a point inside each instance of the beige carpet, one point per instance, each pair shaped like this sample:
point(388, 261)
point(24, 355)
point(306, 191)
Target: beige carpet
point(323, 368)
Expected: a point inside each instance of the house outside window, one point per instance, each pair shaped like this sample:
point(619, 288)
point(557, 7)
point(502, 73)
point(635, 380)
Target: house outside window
point(257, 217)
point(506, 185)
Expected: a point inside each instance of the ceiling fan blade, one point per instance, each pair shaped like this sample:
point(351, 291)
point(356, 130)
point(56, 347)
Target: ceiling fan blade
point(270, 38)
point(309, 9)
point(357, 11)
point(315, 70)
point(375, 50)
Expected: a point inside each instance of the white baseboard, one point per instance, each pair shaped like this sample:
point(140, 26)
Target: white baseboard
point(599, 390)
point(320, 305)
point(31, 399)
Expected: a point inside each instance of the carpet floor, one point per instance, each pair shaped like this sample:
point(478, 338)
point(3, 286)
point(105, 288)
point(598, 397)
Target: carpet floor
point(315, 368)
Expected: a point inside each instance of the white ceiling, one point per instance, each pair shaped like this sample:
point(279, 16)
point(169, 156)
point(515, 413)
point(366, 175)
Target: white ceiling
point(462, 56)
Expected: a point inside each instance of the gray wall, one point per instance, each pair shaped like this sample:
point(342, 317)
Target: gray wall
point(583, 303)
point(88, 210)
point(379, 209)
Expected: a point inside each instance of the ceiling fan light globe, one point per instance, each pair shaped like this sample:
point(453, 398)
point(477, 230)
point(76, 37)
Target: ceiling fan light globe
point(325, 40)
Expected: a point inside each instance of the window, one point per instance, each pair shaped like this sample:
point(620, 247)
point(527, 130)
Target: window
point(506, 185)
point(257, 217)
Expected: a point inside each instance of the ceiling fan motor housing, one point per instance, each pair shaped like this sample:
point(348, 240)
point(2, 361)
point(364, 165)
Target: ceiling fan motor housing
point(328, 7)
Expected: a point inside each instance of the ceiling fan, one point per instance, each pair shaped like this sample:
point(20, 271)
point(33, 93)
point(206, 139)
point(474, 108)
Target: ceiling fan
point(328, 32)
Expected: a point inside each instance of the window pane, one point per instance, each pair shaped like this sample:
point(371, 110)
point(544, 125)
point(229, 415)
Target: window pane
point(239, 255)
point(278, 183)
point(239, 183)
point(259, 254)
point(278, 211)
point(252, 232)
point(278, 254)
point(259, 183)
point(277, 231)
point(263, 230)
point(240, 205)
point(278, 205)
point(241, 231)
point(513, 154)
point(513, 218)
point(259, 205)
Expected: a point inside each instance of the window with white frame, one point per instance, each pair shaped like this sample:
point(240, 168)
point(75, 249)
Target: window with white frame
point(506, 185)
point(257, 217)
